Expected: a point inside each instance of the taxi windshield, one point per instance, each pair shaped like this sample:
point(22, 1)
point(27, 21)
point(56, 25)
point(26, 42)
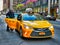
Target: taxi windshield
point(33, 18)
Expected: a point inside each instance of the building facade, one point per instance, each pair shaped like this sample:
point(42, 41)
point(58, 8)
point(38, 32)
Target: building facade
point(39, 6)
point(6, 4)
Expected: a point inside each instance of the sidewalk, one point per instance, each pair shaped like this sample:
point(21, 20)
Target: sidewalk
point(2, 19)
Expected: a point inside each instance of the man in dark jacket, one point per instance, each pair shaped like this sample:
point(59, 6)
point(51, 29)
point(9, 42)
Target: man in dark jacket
point(10, 14)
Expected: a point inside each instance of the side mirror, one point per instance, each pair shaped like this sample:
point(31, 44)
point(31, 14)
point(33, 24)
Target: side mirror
point(19, 17)
point(7, 16)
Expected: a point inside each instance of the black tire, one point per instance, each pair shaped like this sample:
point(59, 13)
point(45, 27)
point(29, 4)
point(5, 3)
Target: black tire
point(21, 33)
point(7, 28)
point(17, 31)
point(11, 29)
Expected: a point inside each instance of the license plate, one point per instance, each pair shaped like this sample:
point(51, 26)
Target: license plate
point(42, 33)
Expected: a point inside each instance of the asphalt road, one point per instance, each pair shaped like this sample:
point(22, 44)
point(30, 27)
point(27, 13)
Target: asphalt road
point(12, 38)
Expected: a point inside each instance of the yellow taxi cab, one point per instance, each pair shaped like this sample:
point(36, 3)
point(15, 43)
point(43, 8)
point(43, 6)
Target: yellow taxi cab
point(31, 28)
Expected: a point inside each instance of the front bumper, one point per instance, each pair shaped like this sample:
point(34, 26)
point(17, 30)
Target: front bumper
point(41, 36)
point(35, 33)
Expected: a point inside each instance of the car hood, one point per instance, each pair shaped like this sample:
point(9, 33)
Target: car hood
point(37, 24)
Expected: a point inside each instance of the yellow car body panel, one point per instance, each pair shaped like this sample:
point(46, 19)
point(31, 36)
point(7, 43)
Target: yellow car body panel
point(12, 23)
point(37, 24)
point(15, 24)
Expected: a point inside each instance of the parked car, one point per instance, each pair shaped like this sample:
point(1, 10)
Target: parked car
point(48, 17)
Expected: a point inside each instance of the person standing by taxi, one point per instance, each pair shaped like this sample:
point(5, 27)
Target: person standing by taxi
point(10, 14)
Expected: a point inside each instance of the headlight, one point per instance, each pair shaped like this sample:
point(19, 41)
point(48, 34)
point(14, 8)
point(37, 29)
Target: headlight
point(27, 27)
point(51, 27)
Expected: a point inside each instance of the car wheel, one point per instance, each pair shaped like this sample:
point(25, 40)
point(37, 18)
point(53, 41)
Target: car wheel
point(17, 31)
point(7, 28)
point(11, 29)
point(21, 33)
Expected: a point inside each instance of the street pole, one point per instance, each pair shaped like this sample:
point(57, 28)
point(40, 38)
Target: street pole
point(59, 7)
point(11, 4)
point(55, 1)
point(52, 2)
point(48, 7)
point(44, 2)
point(41, 6)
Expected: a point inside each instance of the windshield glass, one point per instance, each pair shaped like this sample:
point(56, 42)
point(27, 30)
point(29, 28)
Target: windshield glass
point(32, 18)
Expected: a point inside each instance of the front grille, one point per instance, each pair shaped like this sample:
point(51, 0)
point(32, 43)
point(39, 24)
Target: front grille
point(37, 31)
point(41, 29)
